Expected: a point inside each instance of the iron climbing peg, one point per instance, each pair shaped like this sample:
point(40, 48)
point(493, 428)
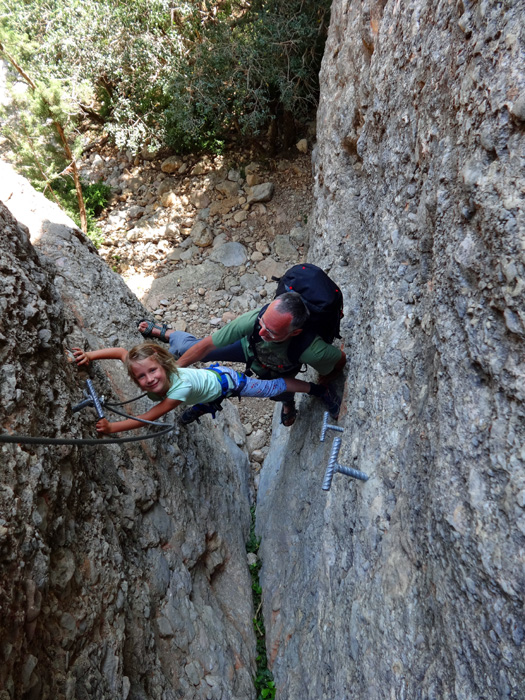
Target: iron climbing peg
point(92, 399)
point(334, 466)
point(327, 427)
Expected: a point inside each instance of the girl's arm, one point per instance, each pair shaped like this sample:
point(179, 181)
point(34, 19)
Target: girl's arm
point(104, 427)
point(84, 358)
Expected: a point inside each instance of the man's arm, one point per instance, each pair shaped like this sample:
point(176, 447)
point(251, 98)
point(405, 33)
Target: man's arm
point(327, 378)
point(196, 352)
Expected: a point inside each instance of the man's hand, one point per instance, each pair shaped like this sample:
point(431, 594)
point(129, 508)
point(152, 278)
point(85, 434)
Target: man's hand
point(81, 357)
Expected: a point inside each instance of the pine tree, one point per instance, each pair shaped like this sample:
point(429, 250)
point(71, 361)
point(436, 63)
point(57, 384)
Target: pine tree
point(42, 138)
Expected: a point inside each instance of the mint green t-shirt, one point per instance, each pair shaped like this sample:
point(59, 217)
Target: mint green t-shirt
point(319, 355)
point(192, 386)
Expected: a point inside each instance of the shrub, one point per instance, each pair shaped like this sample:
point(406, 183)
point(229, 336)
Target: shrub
point(187, 74)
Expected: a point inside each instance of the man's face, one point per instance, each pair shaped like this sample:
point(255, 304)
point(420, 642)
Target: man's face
point(275, 326)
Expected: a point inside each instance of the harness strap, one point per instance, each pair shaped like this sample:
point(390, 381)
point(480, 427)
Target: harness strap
point(227, 390)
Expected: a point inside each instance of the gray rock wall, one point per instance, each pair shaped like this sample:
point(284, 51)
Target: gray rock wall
point(411, 585)
point(122, 568)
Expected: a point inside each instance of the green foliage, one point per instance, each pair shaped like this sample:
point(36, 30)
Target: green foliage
point(187, 74)
point(96, 197)
point(248, 71)
point(264, 684)
point(252, 545)
point(30, 127)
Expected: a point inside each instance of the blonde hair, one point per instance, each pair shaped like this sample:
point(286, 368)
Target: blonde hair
point(145, 351)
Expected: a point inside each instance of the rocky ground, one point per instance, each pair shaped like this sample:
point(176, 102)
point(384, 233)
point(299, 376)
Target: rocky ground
point(199, 239)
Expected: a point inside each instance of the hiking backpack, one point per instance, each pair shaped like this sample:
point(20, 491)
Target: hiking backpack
point(324, 300)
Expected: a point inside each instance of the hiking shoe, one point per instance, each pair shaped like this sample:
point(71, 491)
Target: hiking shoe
point(193, 413)
point(288, 413)
point(332, 402)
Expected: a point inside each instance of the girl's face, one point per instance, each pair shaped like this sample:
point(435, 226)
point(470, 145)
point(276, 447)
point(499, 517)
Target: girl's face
point(150, 376)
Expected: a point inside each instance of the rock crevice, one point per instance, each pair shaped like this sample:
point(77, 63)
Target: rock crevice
point(123, 567)
point(410, 585)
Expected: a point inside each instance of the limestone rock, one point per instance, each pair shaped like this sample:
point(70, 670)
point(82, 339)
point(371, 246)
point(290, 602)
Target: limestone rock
point(284, 249)
point(271, 268)
point(208, 274)
point(135, 542)
point(261, 193)
point(408, 160)
point(201, 234)
point(230, 254)
point(302, 146)
point(227, 188)
point(222, 207)
point(253, 179)
point(171, 164)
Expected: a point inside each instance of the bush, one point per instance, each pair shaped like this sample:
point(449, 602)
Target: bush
point(96, 197)
point(248, 73)
point(187, 74)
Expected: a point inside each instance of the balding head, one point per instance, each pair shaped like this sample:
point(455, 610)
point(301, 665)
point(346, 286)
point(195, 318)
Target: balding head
point(293, 304)
point(283, 318)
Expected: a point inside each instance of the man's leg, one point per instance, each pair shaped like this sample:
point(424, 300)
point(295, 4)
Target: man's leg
point(180, 342)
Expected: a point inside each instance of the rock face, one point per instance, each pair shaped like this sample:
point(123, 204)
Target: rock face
point(411, 585)
point(123, 568)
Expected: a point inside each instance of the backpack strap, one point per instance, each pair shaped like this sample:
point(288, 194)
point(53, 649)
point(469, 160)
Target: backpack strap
point(253, 339)
point(298, 344)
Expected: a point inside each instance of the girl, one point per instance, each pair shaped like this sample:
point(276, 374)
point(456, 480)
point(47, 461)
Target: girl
point(155, 371)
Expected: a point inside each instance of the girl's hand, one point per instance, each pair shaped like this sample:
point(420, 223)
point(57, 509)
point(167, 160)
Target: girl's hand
point(81, 357)
point(104, 427)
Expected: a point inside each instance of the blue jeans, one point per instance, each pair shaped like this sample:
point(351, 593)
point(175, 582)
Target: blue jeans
point(180, 341)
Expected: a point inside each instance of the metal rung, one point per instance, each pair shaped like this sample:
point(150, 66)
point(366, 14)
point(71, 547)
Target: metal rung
point(327, 427)
point(334, 466)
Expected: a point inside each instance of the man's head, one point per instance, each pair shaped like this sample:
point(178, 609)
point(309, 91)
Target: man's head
point(284, 318)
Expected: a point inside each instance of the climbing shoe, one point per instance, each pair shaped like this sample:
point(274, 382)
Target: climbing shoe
point(332, 402)
point(193, 413)
point(288, 413)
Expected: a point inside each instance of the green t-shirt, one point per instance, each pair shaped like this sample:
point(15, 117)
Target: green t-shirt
point(192, 386)
point(319, 355)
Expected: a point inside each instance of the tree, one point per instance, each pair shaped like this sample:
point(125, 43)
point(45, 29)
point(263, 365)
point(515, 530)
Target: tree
point(187, 74)
point(48, 107)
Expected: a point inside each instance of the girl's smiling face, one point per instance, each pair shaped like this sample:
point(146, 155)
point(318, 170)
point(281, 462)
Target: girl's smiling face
point(150, 376)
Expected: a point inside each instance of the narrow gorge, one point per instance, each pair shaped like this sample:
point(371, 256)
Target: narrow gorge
point(123, 568)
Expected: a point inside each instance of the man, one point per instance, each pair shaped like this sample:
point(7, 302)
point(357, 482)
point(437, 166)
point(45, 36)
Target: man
point(283, 320)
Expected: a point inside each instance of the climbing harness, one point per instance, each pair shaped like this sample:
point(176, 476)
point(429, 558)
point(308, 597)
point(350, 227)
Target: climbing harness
point(91, 399)
point(227, 390)
point(200, 409)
